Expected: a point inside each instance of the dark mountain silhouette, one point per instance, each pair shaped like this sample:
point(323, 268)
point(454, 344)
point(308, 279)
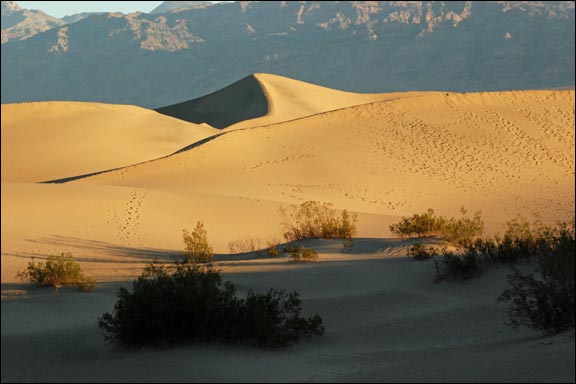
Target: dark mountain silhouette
point(154, 60)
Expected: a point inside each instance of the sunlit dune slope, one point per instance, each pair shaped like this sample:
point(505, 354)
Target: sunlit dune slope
point(49, 140)
point(503, 153)
point(262, 99)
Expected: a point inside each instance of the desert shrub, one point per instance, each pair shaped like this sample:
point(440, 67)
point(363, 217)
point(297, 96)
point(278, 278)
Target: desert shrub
point(245, 245)
point(545, 300)
point(273, 319)
point(464, 265)
point(522, 240)
point(272, 251)
point(347, 243)
point(190, 302)
point(290, 248)
point(303, 254)
point(57, 271)
point(452, 230)
point(419, 225)
point(463, 230)
point(196, 245)
point(317, 220)
point(421, 252)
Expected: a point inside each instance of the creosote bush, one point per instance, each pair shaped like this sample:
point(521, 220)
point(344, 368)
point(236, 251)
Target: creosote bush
point(272, 251)
point(421, 252)
point(290, 248)
point(545, 301)
point(198, 250)
point(463, 265)
point(313, 219)
point(303, 254)
point(190, 302)
point(419, 225)
point(245, 245)
point(455, 231)
point(57, 271)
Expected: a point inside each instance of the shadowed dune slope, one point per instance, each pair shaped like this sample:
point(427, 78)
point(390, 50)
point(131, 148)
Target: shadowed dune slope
point(240, 101)
point(263, 99)
point(503, 152)
point(50, 140)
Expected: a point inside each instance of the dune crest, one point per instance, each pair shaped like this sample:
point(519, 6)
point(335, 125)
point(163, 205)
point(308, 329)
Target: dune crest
point(263, 99)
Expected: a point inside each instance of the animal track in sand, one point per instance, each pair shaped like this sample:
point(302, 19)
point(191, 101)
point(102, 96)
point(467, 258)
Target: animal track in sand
point(129, 222)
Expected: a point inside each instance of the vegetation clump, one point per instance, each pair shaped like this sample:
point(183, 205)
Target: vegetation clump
point(57, 271)
point(198, 250)
point(190, 302)
point(313, 219)
point(245, 245)
point(303, 254)
point(462, 230)
point(545, 300)
point(421, 252)
point(453, 230)
point(419, 225)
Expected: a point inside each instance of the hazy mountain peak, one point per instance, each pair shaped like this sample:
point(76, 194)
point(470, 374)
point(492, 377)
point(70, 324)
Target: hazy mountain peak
point(20, 24)
point(169, 6)
point(10, 6)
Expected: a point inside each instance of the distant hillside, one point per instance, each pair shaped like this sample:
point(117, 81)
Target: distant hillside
point(20, 24)
point(358, 46)
point(79, 16)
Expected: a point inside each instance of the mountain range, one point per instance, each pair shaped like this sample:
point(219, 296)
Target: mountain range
point(184, 51)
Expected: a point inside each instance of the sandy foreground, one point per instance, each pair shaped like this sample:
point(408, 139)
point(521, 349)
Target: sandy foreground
point(386, 321)
point(383, 156)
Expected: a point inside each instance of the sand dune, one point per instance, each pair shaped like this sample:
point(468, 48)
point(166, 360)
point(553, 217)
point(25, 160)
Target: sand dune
point(263, 99)
point(383, 156)
point(51, 140)
point(504, 153)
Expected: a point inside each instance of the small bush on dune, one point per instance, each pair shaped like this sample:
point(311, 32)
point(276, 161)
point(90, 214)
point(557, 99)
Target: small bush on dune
point(420, 252)
point(196, 244)
point(57, 271)
point(317, 220)
point(189, 302)
point(272, 251)
point(464, 265)
point(546, 300)
point(245, 245)
point(290, 249)
point(452, 230)
point(419, 225)
point(303, 254)
point(463, 230)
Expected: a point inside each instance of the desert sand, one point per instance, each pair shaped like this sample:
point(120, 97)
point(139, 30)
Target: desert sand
point(382, 156)
point(44, 140)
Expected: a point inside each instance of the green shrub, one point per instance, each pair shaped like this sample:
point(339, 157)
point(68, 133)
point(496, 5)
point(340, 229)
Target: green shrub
point(464, 266)
point(57, 271)
point(419, 225)
point(452, 230)
point(420, 252)
point(196, 244)
point(317, 220)
point(189, 302)
point(303, 254)
point(272, 251)
point(463, 230)
point(546, 302)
